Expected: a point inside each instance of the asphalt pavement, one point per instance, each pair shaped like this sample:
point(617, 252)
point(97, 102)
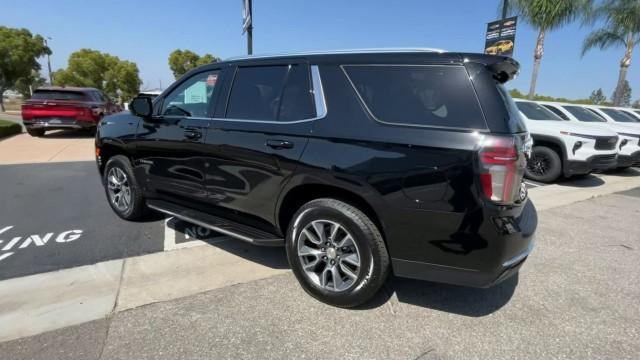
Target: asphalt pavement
point(576, 297)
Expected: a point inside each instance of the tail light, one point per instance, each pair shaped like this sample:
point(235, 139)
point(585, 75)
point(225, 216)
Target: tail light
point(27, 113)
point(501, 168)
point(84, 114)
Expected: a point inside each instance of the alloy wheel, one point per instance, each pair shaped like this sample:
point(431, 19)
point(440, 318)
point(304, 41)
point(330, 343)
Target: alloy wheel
point(119, 189)
point(539, 164)
point(329, 255)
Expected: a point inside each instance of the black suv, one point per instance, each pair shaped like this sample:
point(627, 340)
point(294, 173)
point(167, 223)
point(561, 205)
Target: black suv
point(358, 162)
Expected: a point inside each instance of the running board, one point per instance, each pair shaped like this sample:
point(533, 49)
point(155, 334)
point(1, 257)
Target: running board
point(215, 223)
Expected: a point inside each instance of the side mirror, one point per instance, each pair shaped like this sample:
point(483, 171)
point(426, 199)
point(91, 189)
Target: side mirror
point(141, 106)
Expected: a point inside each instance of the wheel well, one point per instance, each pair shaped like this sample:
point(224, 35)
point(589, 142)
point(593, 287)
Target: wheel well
point(555, 147)
point(106, 152)
point(302, 194)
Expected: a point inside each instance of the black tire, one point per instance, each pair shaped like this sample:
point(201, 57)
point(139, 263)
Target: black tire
point(374, 258)
point(136, 207)
point(36, 132)
point(544, 165)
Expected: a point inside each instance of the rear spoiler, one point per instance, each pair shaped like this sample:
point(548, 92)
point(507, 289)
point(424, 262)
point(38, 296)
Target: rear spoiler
point(503, 68)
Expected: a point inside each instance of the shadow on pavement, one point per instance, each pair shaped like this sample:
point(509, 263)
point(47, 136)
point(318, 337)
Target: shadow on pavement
point(69, 134)
point(273, 257)
point(582, 181)
point(628, 172)
point(473, 302)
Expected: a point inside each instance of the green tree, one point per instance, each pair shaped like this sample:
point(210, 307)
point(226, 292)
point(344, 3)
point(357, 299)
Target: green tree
point(636, 104)
point(621, 28)
point(25, 85)
point(547, 15)
point(19, 51)
point(91, 68)
point(624, 95)
point(181, 61)
point(597, 97)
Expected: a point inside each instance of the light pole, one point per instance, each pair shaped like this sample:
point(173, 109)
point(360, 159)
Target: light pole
point(48, 60)
point(505, 8)
point(247, 24)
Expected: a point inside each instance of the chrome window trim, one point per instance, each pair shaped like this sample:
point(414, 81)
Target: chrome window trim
point(338, 52)
point(353, 86)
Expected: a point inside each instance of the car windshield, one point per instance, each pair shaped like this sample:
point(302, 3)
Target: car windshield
point(583, 114)
point(58, 95)
point(618, 116)
point(535, 111)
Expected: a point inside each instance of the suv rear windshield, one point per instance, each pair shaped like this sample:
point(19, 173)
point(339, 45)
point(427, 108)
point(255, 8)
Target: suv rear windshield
point(534, 111)
point(618, 115)
point(583, 114)
point(423, 95)
point(58, 95)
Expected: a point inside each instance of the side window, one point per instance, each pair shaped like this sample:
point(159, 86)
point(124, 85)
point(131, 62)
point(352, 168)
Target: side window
point(557, 111)
point(297, 101)
point(418, 95)
point(256, 92)
point(193, 97)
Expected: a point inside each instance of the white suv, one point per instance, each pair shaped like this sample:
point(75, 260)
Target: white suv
point(565, 148)
point(629, 133)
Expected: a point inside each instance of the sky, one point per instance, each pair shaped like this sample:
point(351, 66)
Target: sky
point(146, 32)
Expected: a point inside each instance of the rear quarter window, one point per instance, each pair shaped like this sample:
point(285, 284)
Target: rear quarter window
point(418, 95)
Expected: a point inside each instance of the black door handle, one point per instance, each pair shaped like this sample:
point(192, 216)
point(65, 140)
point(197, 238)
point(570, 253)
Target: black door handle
point(192, 134)
point(279, 144)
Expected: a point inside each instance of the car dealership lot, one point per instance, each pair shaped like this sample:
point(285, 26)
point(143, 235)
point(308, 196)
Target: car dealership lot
point(576, 296)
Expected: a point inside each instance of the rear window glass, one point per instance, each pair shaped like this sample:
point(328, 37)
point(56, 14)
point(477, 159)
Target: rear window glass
point(418, 95)
point(58, 95)
point(583, 114)
point(534, 111)
point(618, 115)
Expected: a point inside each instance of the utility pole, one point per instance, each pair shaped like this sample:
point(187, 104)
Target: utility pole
point(48, 61)
point(505, 8)
point(250, 28)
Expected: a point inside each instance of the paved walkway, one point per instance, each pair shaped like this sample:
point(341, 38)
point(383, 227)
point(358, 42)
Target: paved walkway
point(56, 146)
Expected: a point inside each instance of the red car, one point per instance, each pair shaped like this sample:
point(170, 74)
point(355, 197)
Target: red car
point(52, 108)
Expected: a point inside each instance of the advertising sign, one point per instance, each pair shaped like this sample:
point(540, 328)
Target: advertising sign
point(501, 37)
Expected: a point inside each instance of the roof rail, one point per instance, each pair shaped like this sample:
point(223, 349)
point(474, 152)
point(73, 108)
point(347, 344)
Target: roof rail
point(340, 51)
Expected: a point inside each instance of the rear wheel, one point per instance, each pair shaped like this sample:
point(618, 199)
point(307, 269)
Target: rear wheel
point(36, 132)
point(337, 253)
point(124, 194)
point(544, 165)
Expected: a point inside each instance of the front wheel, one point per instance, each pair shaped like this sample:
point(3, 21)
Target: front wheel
point(544, 165)
point(337, 253)
point(124, 194)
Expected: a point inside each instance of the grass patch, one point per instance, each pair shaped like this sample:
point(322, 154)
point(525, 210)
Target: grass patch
point(8, 128)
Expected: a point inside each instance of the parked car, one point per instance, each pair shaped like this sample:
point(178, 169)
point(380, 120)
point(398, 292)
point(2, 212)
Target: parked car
point(631, 112)
point(358, 162)
point(629, 145)
point(55, 107)
point(565, 148)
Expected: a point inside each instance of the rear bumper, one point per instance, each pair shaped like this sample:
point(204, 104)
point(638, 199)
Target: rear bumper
point(595, 162)
point(58, 123)
point(629, 160)
point(506, 251)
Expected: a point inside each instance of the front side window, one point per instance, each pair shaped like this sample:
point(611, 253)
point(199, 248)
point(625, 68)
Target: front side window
point(618, 116)
point(271, 93)
point(556, 111)
point(439, 96)
point(534, 111)
point(193, 97)
point(582, 114)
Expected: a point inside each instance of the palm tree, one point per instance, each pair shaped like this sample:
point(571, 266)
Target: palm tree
point(547, 15)
point(622, 28)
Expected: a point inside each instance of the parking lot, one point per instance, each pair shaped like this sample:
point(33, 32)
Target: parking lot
point(78, 282)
